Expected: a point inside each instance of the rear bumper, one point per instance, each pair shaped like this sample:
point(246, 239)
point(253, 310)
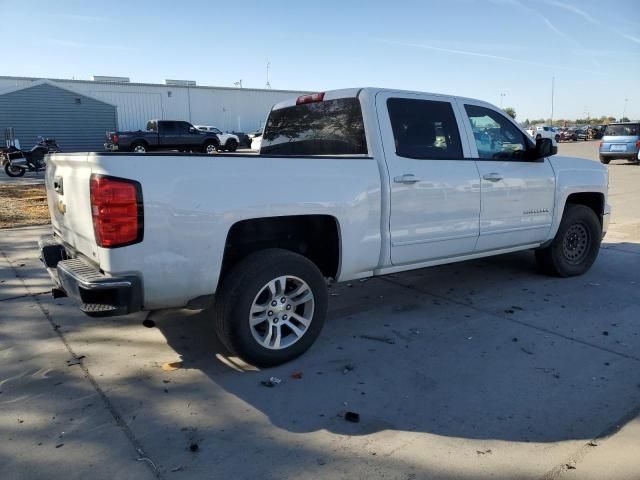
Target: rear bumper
point(99, 295)
point(627, 154)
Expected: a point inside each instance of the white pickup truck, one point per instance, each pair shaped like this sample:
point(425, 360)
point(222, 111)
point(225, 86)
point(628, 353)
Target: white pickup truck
point(348, 184)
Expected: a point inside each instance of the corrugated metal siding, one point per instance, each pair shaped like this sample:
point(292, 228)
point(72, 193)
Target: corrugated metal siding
point(54, 112)
point(227, 108)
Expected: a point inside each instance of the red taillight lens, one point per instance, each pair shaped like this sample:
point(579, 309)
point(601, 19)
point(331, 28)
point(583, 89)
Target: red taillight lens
point(116, 208)
point(114, 138)
point(314, 97)
point(638, 144)
point(601, 143)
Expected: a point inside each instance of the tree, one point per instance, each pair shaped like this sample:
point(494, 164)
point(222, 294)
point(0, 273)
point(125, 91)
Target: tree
point(511, 112)
point(625, 119)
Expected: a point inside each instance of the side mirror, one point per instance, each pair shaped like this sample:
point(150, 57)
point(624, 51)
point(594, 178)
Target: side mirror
point(544, 148)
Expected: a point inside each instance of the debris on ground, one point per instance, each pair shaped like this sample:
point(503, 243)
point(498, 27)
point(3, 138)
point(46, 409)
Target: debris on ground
point(75, 361)
point(509, 311)
point(414, 331)
point(379, 339)
point(352, 417)
point(171, 366)
point(484, 452)
point(194, 447)
point(347, 368)
point(59, 445)
point(592, 443)
point(528, 352)
point(272, 382)
point(569, 466)
point(179, 468)
point(296, 375)
point(514, 339)
point(605, 333)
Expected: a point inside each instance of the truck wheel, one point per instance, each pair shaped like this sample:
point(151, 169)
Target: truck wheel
point(209, 147)
point(605, 160)
point(12, 171)
point(231, 145)
point(139, 147)
point(575, 246)
point(271, 307)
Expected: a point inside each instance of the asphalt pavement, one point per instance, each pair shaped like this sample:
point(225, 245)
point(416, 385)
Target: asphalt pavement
point(483, 369)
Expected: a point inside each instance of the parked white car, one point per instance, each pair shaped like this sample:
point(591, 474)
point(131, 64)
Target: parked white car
point(544, 131)
point(380, 181)
point(228, 141)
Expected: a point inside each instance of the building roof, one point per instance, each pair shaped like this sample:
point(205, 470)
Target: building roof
point(172, 87)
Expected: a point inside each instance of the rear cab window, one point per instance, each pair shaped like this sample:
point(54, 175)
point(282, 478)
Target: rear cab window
point(328, 127)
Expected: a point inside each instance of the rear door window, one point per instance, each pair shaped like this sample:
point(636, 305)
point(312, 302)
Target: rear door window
point(424, 129)
point(331, 127)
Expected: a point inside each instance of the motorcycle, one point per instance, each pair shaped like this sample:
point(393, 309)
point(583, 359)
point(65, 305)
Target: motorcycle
point(17, 162)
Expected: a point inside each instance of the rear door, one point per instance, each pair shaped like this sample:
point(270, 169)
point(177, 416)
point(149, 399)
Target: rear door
point(621, 139)
point(435, 191)
point(189, 135)
point(517, 195)
point(169, 135)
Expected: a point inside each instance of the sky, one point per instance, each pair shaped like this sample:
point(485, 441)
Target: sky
point(502, 51)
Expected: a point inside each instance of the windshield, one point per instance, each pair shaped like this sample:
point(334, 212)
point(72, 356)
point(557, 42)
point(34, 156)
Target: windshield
point(332, 127)
point(621, 130)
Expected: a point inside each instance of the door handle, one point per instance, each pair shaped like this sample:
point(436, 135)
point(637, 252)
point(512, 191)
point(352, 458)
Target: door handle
point(406, 178)
point(492, 177)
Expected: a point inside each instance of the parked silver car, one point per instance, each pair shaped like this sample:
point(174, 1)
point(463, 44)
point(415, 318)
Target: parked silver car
point(620, 140)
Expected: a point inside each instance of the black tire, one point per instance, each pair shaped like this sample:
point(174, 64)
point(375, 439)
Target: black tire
point(231, 145)
point(575, 246)
point(557, 137)
point(538, 136)
point(605, 160)
point(242, 286)
point(210, 147)
point(14, 172)
point(139, 147)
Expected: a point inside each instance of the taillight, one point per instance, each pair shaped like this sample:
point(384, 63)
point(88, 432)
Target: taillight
point(638, 144)
point(117, 211)
point(601, 143)
point(312, 98)
point(114, 138)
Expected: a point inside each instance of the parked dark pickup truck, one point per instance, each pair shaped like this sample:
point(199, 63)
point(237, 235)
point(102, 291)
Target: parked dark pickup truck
point(163, 135)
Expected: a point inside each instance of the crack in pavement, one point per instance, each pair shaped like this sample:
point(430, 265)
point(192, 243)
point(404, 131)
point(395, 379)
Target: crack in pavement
point(25, 295)
point(137, 445)
point(513, 320)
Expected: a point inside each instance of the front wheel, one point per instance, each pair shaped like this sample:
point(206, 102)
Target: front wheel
point(575, 246)
point(231, 145)
point(271, 307)
point(13, 171)
point(210, 148)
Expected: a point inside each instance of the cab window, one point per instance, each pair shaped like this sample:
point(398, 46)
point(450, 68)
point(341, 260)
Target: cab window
point(495, 136)
point(424, 129)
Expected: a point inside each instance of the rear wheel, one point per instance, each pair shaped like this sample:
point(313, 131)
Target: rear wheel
point(605, 160)
point(210, 147)
point(271, 307)
point(575, 246)
point(139, 147)
point(13, 171)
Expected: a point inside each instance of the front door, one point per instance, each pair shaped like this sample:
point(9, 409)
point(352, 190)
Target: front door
point(435, 191)
point(517, 195)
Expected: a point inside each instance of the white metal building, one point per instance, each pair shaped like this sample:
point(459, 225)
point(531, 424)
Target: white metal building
point(237, 109)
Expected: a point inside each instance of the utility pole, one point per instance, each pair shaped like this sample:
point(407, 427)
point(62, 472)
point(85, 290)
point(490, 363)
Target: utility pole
point(502, 95)
point(268, 85)
point(624, 110)
point(553, 80)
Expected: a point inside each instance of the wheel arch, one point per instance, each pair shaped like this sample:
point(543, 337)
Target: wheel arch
point(316, 237)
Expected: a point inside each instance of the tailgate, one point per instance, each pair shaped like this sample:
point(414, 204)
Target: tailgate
point(67, 182)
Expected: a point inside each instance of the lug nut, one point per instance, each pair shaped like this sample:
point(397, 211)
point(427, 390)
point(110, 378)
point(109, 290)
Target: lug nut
point(275, 320)
point(269, 313)
point(283, 300)
point(284, 317)
point(288, 307)
point(274, 303)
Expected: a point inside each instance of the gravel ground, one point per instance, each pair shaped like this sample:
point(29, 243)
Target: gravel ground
point(23, 205)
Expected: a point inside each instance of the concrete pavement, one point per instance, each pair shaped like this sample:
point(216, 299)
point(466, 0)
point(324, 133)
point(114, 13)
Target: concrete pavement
point(490, 370)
